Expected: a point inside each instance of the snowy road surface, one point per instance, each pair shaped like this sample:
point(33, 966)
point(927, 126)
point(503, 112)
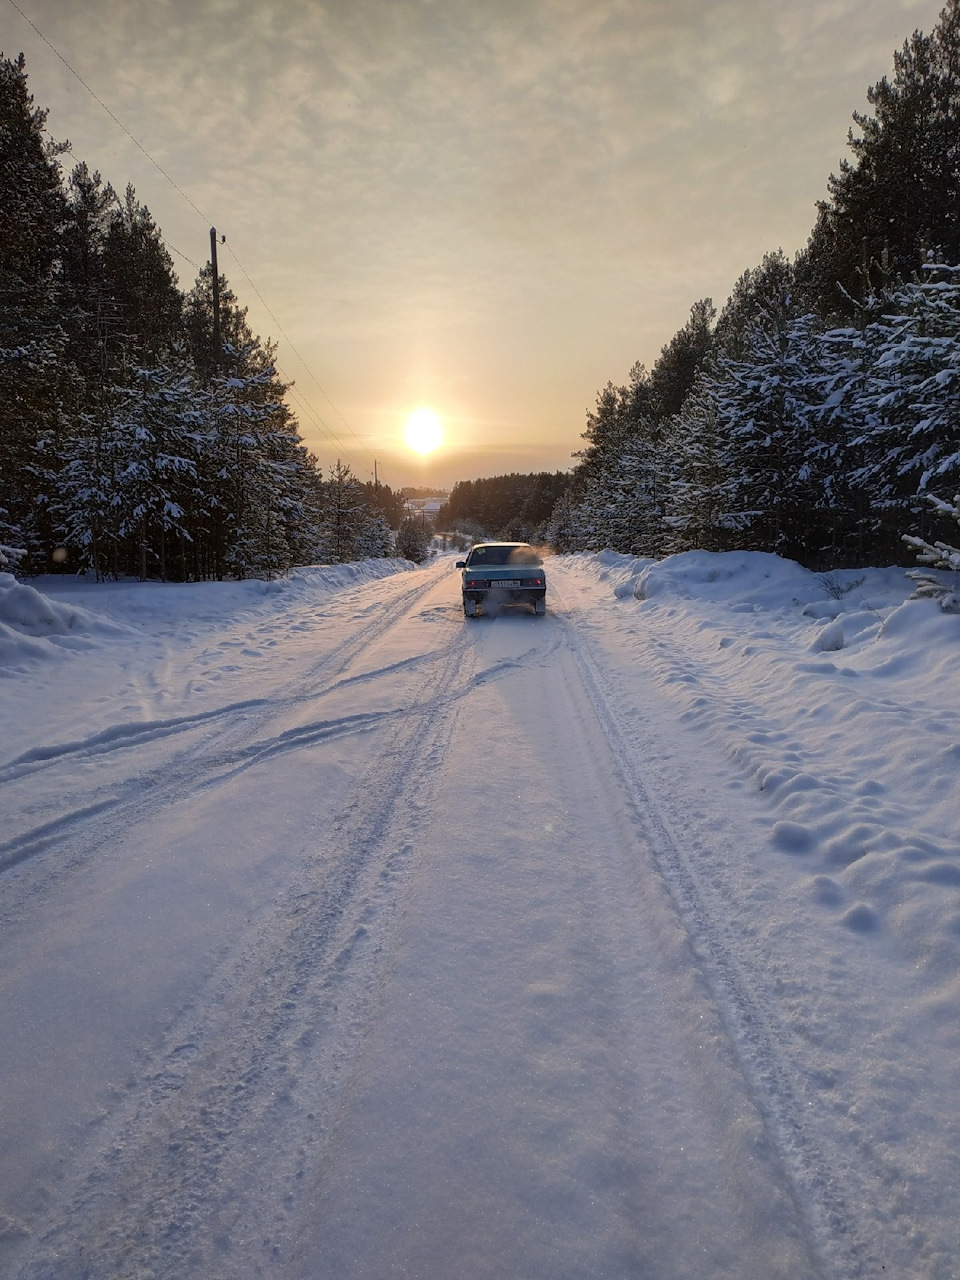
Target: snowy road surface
point(340, 937)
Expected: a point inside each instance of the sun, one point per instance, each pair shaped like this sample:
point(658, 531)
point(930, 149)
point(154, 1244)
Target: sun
point(423, 431)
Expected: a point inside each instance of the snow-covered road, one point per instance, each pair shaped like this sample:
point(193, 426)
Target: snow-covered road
point(340, 937)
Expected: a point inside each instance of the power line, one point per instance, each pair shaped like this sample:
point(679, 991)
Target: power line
point(174, 249)
point(116, 121)
point(160, 169)
point(307, 408)
point(293, 348)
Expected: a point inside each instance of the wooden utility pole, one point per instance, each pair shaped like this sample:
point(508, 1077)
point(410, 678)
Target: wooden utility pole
point(217, 344)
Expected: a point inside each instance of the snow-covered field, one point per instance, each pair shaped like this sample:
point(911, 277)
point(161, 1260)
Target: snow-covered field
point(343, 938)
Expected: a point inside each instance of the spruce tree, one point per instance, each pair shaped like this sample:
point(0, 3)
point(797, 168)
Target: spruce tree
point(676, 368)
point(91, 316)
point(352, 529)
point(909, 407)
point(764, 406)
point(413, 540)
point(700, 501)
point(142, 280)
point(941, 555)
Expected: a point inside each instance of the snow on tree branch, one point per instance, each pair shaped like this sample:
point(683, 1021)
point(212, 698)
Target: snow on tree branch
point(938, 555)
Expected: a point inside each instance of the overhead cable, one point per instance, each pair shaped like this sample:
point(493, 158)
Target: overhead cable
point(160, 169)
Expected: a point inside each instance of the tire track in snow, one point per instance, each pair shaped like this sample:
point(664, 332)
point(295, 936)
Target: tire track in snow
point(786, 764)
point(39, 838)
point(817, 1182)
point(118, 737)
point(153, 790)
point(134, 734)
point(246, 1085)
point(238, 736)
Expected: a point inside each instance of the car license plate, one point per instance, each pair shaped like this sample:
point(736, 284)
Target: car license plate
point(504, 582)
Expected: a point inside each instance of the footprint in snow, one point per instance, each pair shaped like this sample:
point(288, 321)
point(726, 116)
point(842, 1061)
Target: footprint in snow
point(793, 837)
point(826, 891)
point(861, 919)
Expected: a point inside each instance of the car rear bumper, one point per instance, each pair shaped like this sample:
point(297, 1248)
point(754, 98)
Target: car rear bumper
point(512, 594)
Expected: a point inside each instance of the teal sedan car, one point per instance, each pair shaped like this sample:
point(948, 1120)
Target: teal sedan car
point(496, 574)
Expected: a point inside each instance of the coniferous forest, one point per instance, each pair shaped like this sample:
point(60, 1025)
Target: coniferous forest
point(515, 506)
point(132, 443)
point(818, 414)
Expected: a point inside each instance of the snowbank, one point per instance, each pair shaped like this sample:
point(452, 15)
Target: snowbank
point(834, 695)
point(60, 613)
point(32, 625)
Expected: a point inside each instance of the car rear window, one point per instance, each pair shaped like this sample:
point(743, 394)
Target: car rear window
point(503, 555)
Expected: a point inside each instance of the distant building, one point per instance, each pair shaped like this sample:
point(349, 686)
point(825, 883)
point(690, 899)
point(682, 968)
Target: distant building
point(426, 508)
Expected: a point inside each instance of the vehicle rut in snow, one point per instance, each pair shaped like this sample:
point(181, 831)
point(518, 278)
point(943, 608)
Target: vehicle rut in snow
point(547, 1088)
point(818, 1182)
point(547, 951)
point(249, 1075)
point(128, 790)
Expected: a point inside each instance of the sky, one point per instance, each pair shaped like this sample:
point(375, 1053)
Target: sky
point(485, 208)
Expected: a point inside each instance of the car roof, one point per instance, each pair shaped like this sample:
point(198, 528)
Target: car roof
point(500, 544)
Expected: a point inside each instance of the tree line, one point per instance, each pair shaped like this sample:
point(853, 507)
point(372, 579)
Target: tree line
point(818, 413)
point(515, 507)
point(132, 442)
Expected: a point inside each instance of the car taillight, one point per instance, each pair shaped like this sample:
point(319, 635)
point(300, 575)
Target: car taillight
point(474, 582)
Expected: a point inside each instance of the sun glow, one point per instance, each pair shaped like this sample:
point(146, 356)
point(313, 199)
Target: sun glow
point(423, 431)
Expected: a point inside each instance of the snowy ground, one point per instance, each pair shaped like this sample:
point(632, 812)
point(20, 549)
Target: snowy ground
point(342, 937)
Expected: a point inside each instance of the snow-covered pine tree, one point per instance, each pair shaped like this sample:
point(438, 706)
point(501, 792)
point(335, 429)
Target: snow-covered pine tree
point(611, 423)
point(616, 494)
point(622, 505)
point(771, 281)
point(258, 478)
point(764, 406)
point(140, 457)
point(246, 417)
point(909, 433)
point(125, 478)
point(91, 316)
point(375, 541)
point(10, 557)
point(413, 540)
point(700, 497)
point(141, 279)
point(838, 408)
point(563, 530)
point(538, 504)
point(901, 193)
point(676, 368)
point(755, 433)
point(350, 528)
point(162, 424)
point(938, 555)
point(84, 464)
point(306, 534)
point(31, 336)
